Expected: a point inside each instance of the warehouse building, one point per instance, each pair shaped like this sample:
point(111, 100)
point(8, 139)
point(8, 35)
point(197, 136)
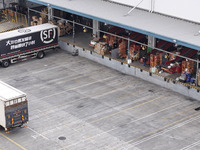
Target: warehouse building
point(103, 98)
point(153, 40)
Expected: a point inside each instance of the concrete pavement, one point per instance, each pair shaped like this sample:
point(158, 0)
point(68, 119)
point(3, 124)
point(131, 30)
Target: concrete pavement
point(77, 104)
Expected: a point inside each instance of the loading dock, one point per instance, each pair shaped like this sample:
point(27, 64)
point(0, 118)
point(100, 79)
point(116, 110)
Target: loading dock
point(84, 105)
point(88, 105)
point(177, 49)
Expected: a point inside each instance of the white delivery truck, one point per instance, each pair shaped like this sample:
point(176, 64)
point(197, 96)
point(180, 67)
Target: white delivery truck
point(23, 44)
point(13, 107)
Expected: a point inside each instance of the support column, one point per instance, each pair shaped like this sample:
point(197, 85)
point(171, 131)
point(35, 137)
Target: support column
point(197, 73)
point(50, 12)
point(73, 31)
point(128, 61)
point(151, 42)
point(29, 17)
point(152, 6)
point(4, 4)
point(96, 27)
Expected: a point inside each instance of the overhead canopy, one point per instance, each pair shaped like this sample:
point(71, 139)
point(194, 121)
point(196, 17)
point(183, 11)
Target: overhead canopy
point(163, 27)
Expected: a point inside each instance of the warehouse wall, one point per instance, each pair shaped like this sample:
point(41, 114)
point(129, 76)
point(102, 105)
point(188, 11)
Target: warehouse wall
point(184, 9)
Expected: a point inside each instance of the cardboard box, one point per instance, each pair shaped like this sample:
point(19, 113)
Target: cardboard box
point(68, 28)
point(44, 12)
point(35, 23)
point(184, 65)
point(34, 18)
point(96, 39)
point(32, 23)
point(100, 48)
point(61, 28)
point(122, 49)
point(42, 20)
point(58, 31)
point(160, 58)
point(52, 22)
point(151, 64)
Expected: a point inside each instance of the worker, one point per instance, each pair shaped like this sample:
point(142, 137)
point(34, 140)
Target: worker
point(144, 60)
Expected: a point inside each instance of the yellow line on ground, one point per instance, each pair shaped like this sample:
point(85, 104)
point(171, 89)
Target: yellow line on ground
point(123, 96)
point(63, 104)
point(65, 147)
point(89, 137)
point(76, 100)
point(173, 123)
point(139, 91)
point(68, 126)
point(179, 113)
point(13, 141)
point(111, 115)
point(155, 131)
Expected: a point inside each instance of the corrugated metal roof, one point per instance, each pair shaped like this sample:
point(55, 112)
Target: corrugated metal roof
point(159, 26)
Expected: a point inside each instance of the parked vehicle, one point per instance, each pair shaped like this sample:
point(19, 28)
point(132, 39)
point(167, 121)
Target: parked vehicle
point(13, 107)
point(26, 43)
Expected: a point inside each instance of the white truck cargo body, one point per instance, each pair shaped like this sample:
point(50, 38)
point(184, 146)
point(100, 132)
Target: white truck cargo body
point(13, 107)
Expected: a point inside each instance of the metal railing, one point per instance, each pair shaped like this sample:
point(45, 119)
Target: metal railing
point(16, 17)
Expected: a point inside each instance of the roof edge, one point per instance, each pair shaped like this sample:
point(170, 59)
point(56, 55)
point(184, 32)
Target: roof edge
point(122, 26)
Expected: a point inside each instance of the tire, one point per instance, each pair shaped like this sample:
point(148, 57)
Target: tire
point(5, 63)
point(40, 54)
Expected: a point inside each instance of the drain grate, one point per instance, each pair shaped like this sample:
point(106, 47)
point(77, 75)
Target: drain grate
point(197, 109)
point(80, 106)
point(151, 91)
point(62, 138)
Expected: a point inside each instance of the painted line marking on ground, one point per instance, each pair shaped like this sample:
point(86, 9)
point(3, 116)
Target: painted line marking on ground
point(158, 130)
point(20, 146)
point(89, 137)
point(85, 136)
point(167, 130)
point(74, 88)
point(114, 114)
point(106, 132)
point(179, 113)
point(65, 147)
point(32, 72)
point(173, 105)
point(39, 134)
point(191, 145)
point(100, 94)
point(136, 106)
point(62, 80)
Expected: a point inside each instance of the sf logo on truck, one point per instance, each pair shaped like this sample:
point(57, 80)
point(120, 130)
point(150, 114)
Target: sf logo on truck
point(47, 36)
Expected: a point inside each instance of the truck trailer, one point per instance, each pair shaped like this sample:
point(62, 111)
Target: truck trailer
point(13, 107)
point(26, 43)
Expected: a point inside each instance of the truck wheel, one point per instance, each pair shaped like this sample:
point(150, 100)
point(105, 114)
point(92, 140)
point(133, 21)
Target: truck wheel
point(5, 63)
point(40, 54)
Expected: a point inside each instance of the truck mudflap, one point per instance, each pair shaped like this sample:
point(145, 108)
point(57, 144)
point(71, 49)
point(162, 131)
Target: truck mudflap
point(16, 117)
